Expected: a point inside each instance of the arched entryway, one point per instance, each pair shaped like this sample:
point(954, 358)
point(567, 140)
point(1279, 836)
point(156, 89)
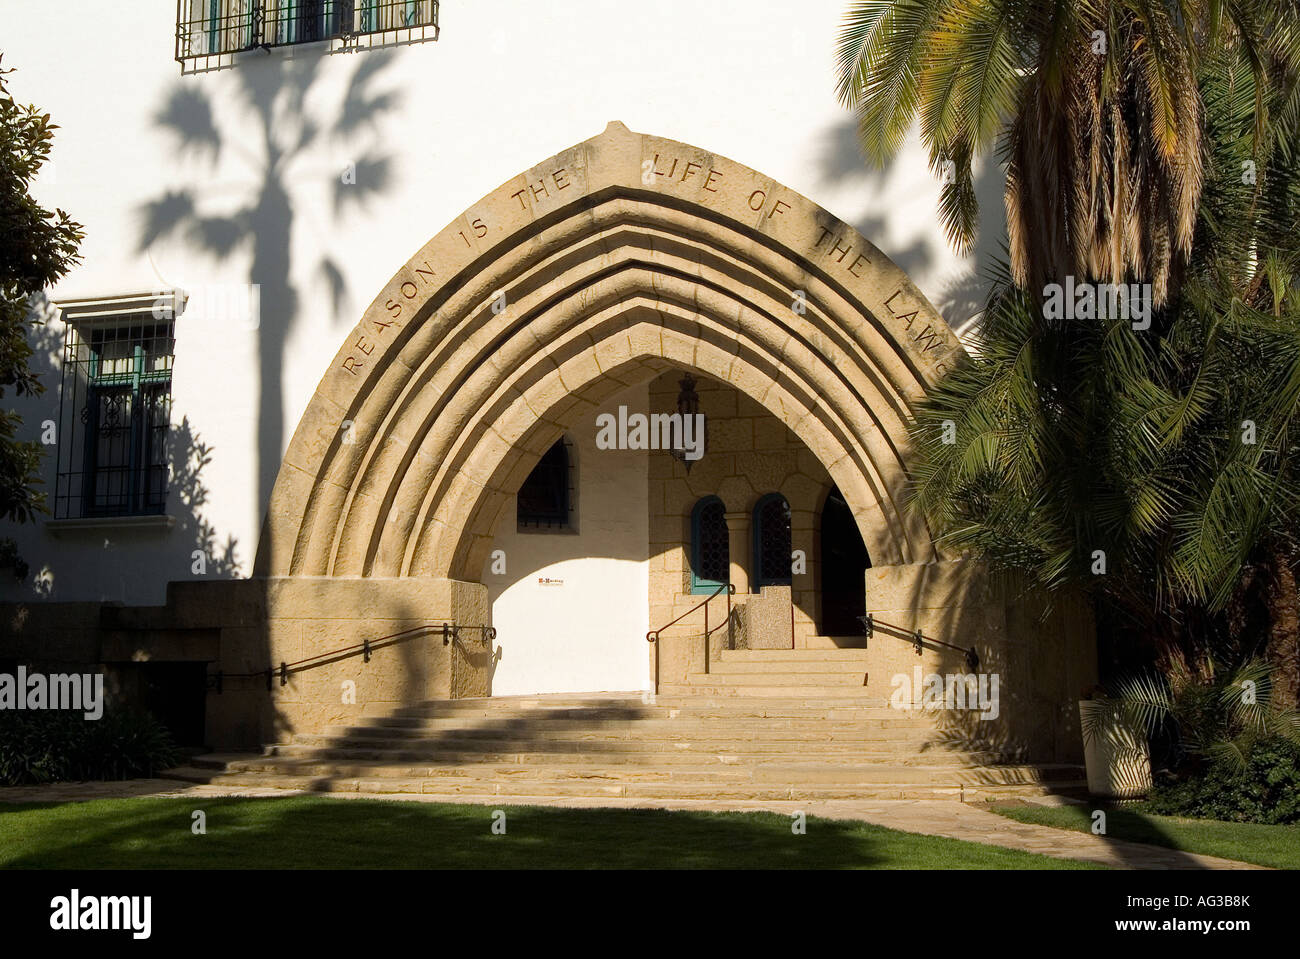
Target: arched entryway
point(618, 258)
point(621, 260)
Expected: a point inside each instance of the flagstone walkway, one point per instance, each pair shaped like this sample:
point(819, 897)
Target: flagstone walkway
point(931, 817)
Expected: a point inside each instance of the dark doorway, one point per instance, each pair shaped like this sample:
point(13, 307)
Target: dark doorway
point(843, 563)
point(176, 695)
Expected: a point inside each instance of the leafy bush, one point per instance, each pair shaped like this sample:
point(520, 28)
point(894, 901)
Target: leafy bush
point(1266, 790)
point(56, 746)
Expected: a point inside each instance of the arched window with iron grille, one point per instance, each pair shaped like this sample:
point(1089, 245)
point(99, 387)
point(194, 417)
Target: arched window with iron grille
point(772, 541)
point(544, 500)
point(710, 553)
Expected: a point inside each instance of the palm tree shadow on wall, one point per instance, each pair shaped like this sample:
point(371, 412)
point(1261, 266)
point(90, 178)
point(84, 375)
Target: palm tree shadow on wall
point(272, 98)
point(308, 168)
point(958, 296)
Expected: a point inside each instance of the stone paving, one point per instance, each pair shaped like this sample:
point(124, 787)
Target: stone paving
point(931, 817)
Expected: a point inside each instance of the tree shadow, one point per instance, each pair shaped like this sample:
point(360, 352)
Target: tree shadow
point(189, 455)
point(193, 542)
point(308, 832)
point(1129, 833)
point(959, 296)
point(263, 225)
point(268, 127)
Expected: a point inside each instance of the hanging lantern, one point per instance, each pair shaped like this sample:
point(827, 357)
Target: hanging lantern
point(688, 405)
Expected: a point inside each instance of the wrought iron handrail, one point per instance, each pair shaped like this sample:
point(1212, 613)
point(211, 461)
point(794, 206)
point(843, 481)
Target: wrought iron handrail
point(917, 639)
point(653, 636)
point(450, 633)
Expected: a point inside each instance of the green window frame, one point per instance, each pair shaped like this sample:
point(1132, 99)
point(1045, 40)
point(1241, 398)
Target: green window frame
point(218, 17)
point(710, 546)
point(127, 417)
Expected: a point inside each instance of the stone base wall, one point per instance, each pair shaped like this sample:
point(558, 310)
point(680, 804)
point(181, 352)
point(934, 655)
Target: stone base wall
point(1043, 655)
point(246, 626)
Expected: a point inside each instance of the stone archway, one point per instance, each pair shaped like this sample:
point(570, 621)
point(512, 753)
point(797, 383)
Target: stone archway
point(572, 280)
point(598, 269)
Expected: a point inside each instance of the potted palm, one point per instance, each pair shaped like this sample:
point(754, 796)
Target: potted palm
point(1115, 751)
point(1216, 716)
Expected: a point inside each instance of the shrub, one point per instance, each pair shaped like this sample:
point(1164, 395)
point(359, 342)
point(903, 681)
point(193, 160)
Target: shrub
point(55, 746)
point(1266, 790)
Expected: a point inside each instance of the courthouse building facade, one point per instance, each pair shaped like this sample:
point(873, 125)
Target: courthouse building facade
point(360, 280)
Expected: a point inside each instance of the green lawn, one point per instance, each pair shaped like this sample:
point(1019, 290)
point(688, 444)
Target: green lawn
point(317, 832)
point(1275, 846)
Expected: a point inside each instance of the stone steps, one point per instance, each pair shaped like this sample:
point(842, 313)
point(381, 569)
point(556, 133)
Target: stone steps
point(719, 686)
point(765, 666)
point(687, 702)
point(521, 790)
point(744, 745)
point(573, 707)
point(768, 773)
point(845, 710)
point(686, 746)
point(618, 753)
point(669, 730)
point(828, 655)
point(677, 709)
point(800, 680)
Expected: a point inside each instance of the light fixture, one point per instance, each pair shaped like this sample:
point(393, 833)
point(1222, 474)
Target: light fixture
point(688, 404)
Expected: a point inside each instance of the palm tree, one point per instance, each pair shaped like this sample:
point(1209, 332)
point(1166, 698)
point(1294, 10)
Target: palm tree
point(1093, 106)
point(1158, 469)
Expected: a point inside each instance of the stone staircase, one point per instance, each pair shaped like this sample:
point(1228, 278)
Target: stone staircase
point(762, 725)
point(822, 674)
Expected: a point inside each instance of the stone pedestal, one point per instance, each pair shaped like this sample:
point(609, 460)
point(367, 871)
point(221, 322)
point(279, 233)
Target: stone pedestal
point(738, 546)
point(768, 619)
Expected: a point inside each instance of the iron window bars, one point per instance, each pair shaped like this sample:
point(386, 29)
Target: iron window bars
point(114, 419)
point(710, 546)
point(216, 28)
point(772, 541)
point(545, 499)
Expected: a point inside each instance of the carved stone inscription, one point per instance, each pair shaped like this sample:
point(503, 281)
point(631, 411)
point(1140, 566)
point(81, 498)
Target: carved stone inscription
point(833, 246)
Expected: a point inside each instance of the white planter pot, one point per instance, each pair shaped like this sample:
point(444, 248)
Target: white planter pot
point(1118, 763)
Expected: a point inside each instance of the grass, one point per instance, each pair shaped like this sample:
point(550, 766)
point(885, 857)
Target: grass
point(1274, 846)
point(323, 833)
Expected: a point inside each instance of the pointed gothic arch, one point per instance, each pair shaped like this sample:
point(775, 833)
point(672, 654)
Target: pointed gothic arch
point(619, 258)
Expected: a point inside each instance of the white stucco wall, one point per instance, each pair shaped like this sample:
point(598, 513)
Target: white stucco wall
point(431, 128)
point(584, 631)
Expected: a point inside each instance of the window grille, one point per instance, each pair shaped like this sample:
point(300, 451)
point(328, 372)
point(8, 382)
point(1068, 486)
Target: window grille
point(772, 541)
point(545, 500)
point(216, 28)
point(710, 549)
point(114, 419)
